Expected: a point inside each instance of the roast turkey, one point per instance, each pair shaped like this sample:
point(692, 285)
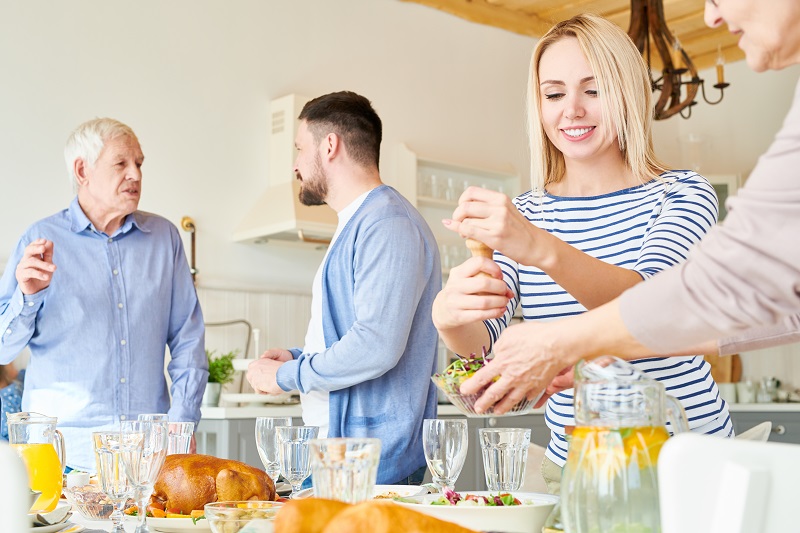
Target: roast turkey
point(189, 481)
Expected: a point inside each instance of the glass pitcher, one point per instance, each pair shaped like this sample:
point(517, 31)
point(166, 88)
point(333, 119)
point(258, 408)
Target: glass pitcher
point(609, 482)
point(41, 447)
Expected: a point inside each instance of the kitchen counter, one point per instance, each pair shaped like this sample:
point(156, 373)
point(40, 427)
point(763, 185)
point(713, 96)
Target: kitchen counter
point(294, 410)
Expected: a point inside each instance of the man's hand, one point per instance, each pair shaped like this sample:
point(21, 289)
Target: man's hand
point(277, 354)
point(262, 375)
point(35, 269)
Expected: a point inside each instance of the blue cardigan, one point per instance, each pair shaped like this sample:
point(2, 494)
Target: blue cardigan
point(378, 285)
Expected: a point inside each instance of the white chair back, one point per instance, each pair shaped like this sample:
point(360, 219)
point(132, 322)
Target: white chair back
point(715, 485)
point(14, 492)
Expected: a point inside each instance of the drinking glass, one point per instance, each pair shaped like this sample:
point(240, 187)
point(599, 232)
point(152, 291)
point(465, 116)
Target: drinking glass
point(110, 448)
point(293, 446)
point(179, 437)
point(445, 445)
point(505, 454)
point(345, 469)
point(267, 442)
point(143, 465)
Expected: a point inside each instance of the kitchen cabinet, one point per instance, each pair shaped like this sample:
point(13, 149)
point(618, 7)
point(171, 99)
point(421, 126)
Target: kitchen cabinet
point(785, 425)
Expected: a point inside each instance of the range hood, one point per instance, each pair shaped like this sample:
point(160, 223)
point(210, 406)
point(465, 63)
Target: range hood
point(278, 215)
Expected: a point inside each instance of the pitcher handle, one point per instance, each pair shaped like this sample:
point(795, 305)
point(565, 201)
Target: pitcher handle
point(676, 416)
point(61, 451)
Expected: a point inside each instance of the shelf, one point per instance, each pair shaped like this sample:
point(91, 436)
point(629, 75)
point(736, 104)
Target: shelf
point(427, 201)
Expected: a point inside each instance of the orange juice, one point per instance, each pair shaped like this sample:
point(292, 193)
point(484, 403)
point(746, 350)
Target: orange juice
point(44, 473)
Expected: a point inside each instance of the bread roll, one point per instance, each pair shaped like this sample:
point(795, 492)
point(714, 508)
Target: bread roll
point(187, 482)
point(382, 516)
point(309, 515)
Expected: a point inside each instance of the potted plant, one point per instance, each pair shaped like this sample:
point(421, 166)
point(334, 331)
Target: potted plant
point(220, 372)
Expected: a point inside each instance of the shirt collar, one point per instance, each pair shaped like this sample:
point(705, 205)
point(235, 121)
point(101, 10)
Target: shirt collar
point(79, 221)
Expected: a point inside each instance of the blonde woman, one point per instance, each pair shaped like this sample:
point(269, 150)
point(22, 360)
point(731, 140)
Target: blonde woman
point(603, 215)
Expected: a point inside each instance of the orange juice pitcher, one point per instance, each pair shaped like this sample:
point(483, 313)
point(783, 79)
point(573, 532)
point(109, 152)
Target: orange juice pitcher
point(609, 482)
point(41, 447)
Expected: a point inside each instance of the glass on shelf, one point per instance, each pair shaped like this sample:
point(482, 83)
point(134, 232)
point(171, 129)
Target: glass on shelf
point(423, 185)
point(450, 193)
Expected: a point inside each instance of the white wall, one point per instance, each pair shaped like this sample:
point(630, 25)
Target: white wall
point(194, 78)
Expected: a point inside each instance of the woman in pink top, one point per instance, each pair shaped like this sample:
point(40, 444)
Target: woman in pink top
point(741, 283)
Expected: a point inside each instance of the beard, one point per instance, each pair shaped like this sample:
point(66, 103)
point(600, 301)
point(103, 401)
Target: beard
point(314, 188)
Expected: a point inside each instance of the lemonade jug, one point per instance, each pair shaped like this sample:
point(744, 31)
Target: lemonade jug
point(609, 482)
point(41, 447)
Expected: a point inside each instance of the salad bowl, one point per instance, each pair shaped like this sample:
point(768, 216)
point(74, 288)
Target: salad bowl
point(527, 516)
point(449, 381)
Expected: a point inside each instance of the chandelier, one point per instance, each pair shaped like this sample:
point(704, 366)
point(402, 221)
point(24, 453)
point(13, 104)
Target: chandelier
point(679, 82)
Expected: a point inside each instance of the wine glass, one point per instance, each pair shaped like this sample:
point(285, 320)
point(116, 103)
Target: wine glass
point(445, 445)
point(293, 451)
point(267, 442)
point(110, 447)
point(143, 466)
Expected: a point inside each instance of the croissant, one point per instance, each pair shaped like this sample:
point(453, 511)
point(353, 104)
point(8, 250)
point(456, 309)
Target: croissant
point(189, 481)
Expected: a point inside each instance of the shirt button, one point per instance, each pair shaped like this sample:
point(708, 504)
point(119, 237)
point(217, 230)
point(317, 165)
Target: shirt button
point(123, 342)
point(115, 271)
point(30, 304)
point(110, 239)
point(122, 417)
point(119, 305)
point(8, 332)
point(122, 380)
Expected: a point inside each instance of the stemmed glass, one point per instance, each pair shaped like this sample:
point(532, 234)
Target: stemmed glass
point(293, 451)
point(110, 448)
point(143, 466)
point(445, 445)
point(267, 443)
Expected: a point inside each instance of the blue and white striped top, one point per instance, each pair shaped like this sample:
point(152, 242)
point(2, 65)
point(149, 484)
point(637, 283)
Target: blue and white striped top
point(646, 228)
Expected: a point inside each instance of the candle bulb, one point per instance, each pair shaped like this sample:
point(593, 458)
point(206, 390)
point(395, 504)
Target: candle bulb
point(720, 67)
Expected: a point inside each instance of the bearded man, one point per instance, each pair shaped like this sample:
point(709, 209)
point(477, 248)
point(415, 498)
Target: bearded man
point(370, 347)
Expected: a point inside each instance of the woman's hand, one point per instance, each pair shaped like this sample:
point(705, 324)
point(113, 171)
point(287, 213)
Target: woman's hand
point(491, 218)
point(475, 291)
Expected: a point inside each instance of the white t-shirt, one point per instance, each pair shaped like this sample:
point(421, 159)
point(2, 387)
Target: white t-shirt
point(316, 403)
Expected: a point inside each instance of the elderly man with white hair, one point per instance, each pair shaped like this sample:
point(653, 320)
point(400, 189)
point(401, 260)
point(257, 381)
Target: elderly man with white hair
point(97, 291)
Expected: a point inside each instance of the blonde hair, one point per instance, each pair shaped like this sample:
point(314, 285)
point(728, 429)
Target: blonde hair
point(625, 96)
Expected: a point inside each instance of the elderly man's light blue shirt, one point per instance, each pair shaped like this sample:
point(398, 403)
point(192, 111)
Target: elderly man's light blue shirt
point(98, 333)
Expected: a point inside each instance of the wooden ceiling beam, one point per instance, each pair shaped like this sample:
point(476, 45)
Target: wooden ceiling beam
point(491, 15)
point(534, 17)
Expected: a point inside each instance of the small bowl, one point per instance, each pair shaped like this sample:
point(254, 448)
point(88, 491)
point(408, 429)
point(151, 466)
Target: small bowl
point(231, 517)
point(91, 502)
point(465, 403)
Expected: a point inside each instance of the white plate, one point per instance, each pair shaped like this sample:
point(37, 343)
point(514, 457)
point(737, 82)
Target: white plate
point(405, 491)
point(526, 518)
point(177, 525)
point(55, 528)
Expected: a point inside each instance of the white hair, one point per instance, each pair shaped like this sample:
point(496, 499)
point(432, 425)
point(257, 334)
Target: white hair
point(87, 141)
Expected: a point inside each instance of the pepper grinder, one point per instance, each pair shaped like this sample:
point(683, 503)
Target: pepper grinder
point(478, 249)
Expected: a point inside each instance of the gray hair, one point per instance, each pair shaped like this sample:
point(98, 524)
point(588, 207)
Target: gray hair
point(87, 141)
